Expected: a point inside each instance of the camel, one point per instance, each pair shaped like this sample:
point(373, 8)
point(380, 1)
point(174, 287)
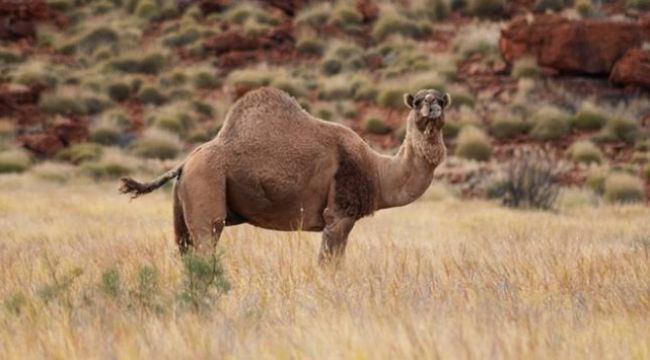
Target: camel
point(275, 166)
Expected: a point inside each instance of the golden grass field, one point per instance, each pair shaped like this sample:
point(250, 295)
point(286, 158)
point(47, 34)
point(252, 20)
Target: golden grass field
point(441, 278)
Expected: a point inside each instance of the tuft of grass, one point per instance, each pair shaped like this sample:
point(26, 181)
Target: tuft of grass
point(119, 91)
point(507, 127)
point(205, 78)
point(79, 153)
point(345, 15)
point(619, 129)
point(390, 23)
point(157, 144)
point(623, 188)
point(525, 67)
point(643, 5)
point(646, 172)
point(150, 64)
point(149, 94)
point(485, 8)
point(64, 102)
point(204, 281)
point(315, 15)
point(9, 56)
point(56, 172)
point(589, 117)
point(391, 96)
point(250, 78)
point(473, 144)
point(310, 45)
point(549, 123)
point(477, 40)
point(595, 180)
point(585, 152)
point(14, 161)
point(376, 125)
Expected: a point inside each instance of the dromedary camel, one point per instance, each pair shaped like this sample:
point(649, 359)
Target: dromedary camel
point(275, 166)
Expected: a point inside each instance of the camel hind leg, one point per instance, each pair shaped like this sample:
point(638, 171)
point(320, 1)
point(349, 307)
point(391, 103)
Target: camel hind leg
point(181, 231)
point(202, 193)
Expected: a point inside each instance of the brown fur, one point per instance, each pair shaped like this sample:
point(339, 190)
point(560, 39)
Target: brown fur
point(275, 166)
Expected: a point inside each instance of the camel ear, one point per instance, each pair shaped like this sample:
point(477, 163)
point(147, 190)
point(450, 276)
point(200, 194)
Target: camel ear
point(408, 100)
point(446, 100)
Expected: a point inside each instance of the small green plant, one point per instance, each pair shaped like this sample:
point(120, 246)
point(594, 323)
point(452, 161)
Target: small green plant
point(111, 283)
point(473, 144)
point(146, 292)
point(157, 144)
point(646, 172)
point(619, 129)
point(14, 161)
point(15, 303)
point(638, 4)
point(119, 91)
point(549, 123)
point(150, 95)
point(105, 169)
point(79, 153)
point(151, 64)
point(314, 15)
point(376, 125)
point(204, 281)
point(589, 118)
point(595, 180)
point(508, 127)
point(62, 103)
point(585, 152)
point(391, 97)
point(310, 45)
point(623, 188)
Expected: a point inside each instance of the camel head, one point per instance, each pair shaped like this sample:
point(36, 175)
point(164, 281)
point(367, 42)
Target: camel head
point(427, 109)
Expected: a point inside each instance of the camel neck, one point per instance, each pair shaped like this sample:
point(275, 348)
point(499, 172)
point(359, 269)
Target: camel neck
point(405, 176)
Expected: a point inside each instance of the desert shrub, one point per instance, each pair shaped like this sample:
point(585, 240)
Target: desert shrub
point(460, 97)
point(310, 45)
point(157, 144)
point(7, 129)
point(376, 125)
point(53, 171)
point(8, 56)
point(119, 91)
point(553, 5)
point(549, 123)
point(111, 283)
point(623, 188)
point(336, 88)
point(391, 24)
point(451, 129)
point(61, 5)
point(638, 4)
point(244, 12)
point(204, 281)
point(641, 157)
point(146, 9)
point(473, 144)
point(585, 152)
point(251, 78)
point(290, 85)
point(478, 40)
point(619, 129)
point(35, 71)
point(589, 117)
point(391, 96)
point(331, 66)
point(252, 28)
point(79, 153)
point(203, 108)
point(346, 109)
point(342, 56)
point(485, 8)
point(507, 127)
point(525, 67)
point(14, 161)
point(431, 9)
point(325, 112)
point(105, 169)
point(595, 180)
point(584, 7)
point(146, 293)
point(96, 38)
point(205, 78)
point(346, 16)
point(105, 134)
point(182, 37)
point(315, 15)
point(528, 181)
point(151, 63)
point(62, 102)
point(150, 95)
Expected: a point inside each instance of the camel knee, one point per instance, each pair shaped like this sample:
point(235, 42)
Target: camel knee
point(206, 236)
point(335, 238)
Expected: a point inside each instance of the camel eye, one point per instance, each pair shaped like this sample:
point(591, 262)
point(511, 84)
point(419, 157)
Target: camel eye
point(417, 102)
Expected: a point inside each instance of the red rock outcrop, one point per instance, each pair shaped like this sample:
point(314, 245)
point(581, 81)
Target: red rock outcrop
point(572, 46)
point(368, 9)
point(57, 135)
point(632, 69)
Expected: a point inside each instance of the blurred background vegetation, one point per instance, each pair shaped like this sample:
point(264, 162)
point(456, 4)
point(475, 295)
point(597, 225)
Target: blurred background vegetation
point(101, 89)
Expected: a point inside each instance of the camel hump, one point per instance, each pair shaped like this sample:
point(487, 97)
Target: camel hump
point(268, 97)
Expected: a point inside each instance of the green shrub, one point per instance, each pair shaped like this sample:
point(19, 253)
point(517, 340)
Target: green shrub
point(157, 144)
point(290, 85)
point(105, 134)
point(638, 4)
point(56, 172)
point(391, 24)
point(324, 112)
point(619, 129)
point(97, 38)
point(585, 152)
point(8, 56)
point(507, 127)
point(205, 79)
point(108, 168)
point(79, 153)
point(391, 97)
point(525, 67)
point(146, 9)
point(549, 123)
point(641, 157)
point(589, 117)
point(14, 161)
point(203, 108)
point(345, 16)
point(451, 129)
point(119, 91)
point(473, 144)
point(623, 188)
point(553, 5)
point(251, 78)
point(315, 15)
point(331, 66)
point(152, 63)
point(477, 40)
point(460, 97)
point(432, 9)
point(61, 103)
point(584, 7)
point(595, 180)
point(150, 95)
point(61, 5)
point(204, 281)
point(310, 45)
point(376, 125)
point(646, 172)
point(485, 8)
point(182, 38)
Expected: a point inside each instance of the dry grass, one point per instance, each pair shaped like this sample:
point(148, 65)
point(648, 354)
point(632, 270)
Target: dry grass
point(437, 279)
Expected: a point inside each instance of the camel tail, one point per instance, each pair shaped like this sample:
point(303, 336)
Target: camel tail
point(135, 188)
